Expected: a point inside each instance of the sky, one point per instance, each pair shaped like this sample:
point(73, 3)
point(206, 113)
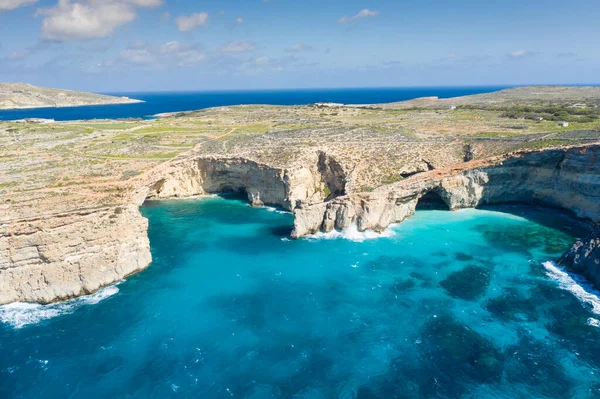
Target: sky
point(174, 45)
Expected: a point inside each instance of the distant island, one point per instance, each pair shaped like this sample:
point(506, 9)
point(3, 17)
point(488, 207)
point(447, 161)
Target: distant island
point(23, 95)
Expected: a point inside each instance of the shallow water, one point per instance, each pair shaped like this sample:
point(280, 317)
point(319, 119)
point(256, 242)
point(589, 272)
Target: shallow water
point(447, 304)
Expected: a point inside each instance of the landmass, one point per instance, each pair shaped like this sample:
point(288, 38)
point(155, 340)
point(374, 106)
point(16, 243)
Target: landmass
point(70, 191)
point(23, 95)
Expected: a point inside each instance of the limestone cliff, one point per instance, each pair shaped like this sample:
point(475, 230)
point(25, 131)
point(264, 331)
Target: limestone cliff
point(568, 178)
point(62, 256)
point(263, 184)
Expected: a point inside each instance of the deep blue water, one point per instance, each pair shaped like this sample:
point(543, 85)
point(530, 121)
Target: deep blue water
point(446, 305)
point(156, 103)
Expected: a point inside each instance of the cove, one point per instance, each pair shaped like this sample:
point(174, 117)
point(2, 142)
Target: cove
point(458, 304)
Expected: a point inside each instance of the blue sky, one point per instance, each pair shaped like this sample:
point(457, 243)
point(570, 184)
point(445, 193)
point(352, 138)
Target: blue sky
point(155, 45)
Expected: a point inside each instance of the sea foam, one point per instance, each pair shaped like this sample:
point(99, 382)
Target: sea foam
point(584, 292)
point(276, 210)
point(19, 315)
point(351, 233)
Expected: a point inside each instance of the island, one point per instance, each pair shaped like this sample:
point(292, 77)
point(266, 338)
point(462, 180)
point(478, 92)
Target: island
point(23, 95)
point(70, 191)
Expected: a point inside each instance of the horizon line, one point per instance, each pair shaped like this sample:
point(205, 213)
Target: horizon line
point(499, 86)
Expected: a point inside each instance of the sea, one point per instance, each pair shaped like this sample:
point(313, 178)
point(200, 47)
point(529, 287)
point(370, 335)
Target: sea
point(156, 103)
point(464, 304)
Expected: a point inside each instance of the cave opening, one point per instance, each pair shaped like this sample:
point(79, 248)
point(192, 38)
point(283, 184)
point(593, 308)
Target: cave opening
point(432, 201)
point(230, 192)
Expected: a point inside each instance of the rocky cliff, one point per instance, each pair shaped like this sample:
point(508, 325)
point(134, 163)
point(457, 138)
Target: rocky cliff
point(568, 178)
point(319, 179)
point(584, 257)
point(62, 256)
point(67, 255)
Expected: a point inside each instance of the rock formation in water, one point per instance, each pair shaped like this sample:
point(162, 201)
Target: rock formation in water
point(584, 257)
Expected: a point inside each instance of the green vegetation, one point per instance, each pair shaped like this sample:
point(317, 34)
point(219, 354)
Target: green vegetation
point(546, 112)
point(391, 179)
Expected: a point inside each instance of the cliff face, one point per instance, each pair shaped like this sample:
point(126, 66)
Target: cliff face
point(566, 178)
point(264, 185)
point(584, 258)
point(64, 256)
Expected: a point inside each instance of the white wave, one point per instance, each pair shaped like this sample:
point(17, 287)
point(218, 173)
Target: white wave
point(273, 209)
point(191, 197)
point(19, 315)
point(199, 196)
point(582, 291)
point(352, 234)
point(593, 322)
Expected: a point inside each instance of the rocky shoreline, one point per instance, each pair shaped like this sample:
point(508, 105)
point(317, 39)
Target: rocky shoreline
point(70, 192)
point(63, 256)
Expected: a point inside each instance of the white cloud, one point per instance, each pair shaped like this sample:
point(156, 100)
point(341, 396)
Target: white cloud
point(138, 56)
point(236, 47)
point(161, 56)
point(136, 44)
point(18, 55)
point(189, 22)
point(361, 14)
point(521, 54)
point(89, 19)
point(296, 48)
point(12, 4)
point(262, 60)
point(239, 20)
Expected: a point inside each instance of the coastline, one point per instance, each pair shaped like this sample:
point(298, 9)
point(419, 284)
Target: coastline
point(130, 101)
point(331, 169)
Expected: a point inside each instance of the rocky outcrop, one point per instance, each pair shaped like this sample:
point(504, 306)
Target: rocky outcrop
point(584, 257)
point(63, 256)
point(333, 176)
point(568, 178)
point(263, 184)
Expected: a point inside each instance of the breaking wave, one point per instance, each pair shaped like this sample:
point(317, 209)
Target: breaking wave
point(352, 234)
point(276, 210)
point(584, 292)
point(19, 315)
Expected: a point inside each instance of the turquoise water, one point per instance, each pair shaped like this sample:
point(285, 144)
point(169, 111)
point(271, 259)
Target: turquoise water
point(156, 103)
point(447, 304)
